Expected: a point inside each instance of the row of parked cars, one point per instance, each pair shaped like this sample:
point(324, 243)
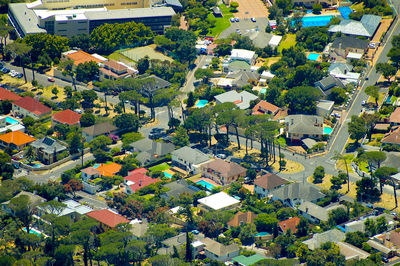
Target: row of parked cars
point(12, 73)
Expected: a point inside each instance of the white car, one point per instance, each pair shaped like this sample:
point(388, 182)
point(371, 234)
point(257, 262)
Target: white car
point(13, 73)
point(237, 19)
point(232, 19)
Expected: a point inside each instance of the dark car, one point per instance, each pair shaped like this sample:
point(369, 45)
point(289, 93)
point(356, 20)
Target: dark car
point(20, 75)
point(16, 166)
point(5, 70)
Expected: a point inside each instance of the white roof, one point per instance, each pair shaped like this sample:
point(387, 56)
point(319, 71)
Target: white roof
point(275, 40)
point(34, 4)
point(396, 176)
point(70, 13)
point(354, 55)
point(218, 201)
point(242, 53)
point(102, 58)
point(267, 74)
point(223, 82)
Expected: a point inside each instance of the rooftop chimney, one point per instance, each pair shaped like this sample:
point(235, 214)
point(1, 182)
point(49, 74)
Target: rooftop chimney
point(140, 182)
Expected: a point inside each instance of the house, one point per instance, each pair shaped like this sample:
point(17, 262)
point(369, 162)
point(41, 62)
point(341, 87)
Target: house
point(106, 128)
point(366, 27)
point(138, 229)
point(71, 209)
point(223, 172)
point(152, 83)
point(275, 41)
point(27, 106)
point(8, 123)
point(137, 179)
point(108, 169)
point(178, 187)
point(108, 218)
point(8, 95)
point(189, 159)
point(242, 99)
point(217, 12)
point(351, 252)
point(333, 235)
point(392, 138)
point(66, 117)
point(310, 3)
point(243, 55)
point(304, 126)
point(296, 193)
point(341, 46)
point(316, 213)
point(325, 107)
point(328, 83)
point(264, 184)
point(48, 150)
point(289, 224)
point(34, 201)
point(241, 218)
point(217, 251)
point(248, 261)
point(218, 202)
point(15, 140)
point(238, 78)
point(177, 242)
point(394, 118)
point(79, 57)
point(116, 70)
point(265, 108)
point(355, 226)
point(308, 143)
point(338, 68)
point(89, 173)
point(149, 150)
point(387, 252)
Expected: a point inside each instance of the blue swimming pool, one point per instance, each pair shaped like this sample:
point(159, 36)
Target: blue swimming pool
point(389, 100)
point(96, 165)
point(328, 130)
point(313, 56)
point(33, 231)
point(11, 121)
point(263, 90)
point(316, 21)
point(206, 184)
point(201, 103)
point(166, 174)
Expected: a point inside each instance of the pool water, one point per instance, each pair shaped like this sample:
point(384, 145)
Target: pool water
point(206, 184)
point(96, 165)
point(201, 103)
point(328, 130)
point(166, 174)
point(11, 121)
point(32, 231)
point(313, 56)
point(263, 90)
point(263, 234)
point(316, 21)
point(37, 165)
point(389, 100)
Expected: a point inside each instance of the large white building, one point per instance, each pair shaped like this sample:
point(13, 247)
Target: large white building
point(244, 55)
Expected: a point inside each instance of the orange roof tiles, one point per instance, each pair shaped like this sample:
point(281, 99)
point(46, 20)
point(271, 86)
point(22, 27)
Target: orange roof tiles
point(109, 169)
point(67, 117)
point(290, 223)
point(108, 217)
point(32, 105)
point(395, 116)
point(80, 57)
point(17, 138)
point(8, 95)
point(264, 105)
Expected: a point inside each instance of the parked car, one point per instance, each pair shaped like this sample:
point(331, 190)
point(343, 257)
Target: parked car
point(51, 79)
point(253, 19)
point(237, 19)
point(13, 73)
point(221, 156)
point(232, 19)
point(20, 75)
point(5, 70)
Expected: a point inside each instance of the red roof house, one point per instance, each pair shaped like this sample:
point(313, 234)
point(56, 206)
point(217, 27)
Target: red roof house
point(290, 223)
point(265, 108)
point(137, 179)
point(8, 95)
point(28, 106)
point(66, 117)
point(108, 218)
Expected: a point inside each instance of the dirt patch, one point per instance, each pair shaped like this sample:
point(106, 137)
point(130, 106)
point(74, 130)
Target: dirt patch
point(251, 9)
point(383, 28)
point(290, 168)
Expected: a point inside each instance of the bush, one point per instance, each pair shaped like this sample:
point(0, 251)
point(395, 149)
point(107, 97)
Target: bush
point(317, 8)
point(319, 174)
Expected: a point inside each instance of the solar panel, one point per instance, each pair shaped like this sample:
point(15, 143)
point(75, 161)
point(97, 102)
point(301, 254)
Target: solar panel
point(48, 141)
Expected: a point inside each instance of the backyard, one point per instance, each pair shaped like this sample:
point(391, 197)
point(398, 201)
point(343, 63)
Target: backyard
point(288, 41)
point(222, 23)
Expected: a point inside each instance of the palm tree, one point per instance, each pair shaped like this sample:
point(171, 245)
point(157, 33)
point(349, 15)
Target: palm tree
point(30, 155)
point(339, 156)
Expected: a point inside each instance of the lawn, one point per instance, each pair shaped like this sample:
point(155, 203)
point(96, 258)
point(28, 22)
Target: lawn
point(48, 94)
point(222, 23)
point(137, 53)
point(160, 167)
point(380, 99)
point(376, 140)
point(288, 41)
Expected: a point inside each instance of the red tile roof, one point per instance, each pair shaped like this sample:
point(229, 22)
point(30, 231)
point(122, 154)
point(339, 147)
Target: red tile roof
point(8, 95)
point(393, 137)
point(264, 105)
point(139, 180)
point(108, 217)
point(80, 57)
point(395, 116)
point(141, 170)
point(242, 218)
point(32, 105)
point(67, 117)
point(290, 223)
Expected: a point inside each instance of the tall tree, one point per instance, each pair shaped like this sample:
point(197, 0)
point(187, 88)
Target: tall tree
point(373, 91)
point(383, 174)
point(22, 210)
point(356, 128)
point(386, 69)
point(20, 50)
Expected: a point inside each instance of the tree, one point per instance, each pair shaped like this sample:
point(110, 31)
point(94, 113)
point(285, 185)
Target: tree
point(234, 6)
point(72, 186)
point(338, 95)
point(20, 50)
point(22, 210)
point(87, 120)
point(247, 233)
point(394, 55)
point(356, 238)
point(373, 91)
point(319, 174)
point(62, 130)
point(173, 123)
point(383, 174)
point(356, 128)
point(76, 144)
point(367, 190)
point(100, 143)
point(181, 137)
point(265, 223)
point(5, 107)
point(301, 100)
point(204, 74)
point(83, 233)
point(370, 121)
point(88, 96)
point(143, 65)
point(87, 71)
point(127, 122)
point(190, 100)
point(6, 169)
point(316, 8)
point(68, 91)
point(68, 68)
point(159, 232)
point(30, 155)
point(338, 181)
point(338, 216)
point(302, 227)
point(251, 174)
point(374, 158)
point(54, 91)
point(386, 69)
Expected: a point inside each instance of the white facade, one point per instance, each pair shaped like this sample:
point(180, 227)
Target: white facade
point(244, 55)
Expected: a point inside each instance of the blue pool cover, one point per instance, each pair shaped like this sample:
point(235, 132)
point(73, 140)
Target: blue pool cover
point(316, 21)
point(345, 11)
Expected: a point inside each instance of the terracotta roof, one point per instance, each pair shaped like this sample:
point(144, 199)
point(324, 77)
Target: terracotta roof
point(8, 95)
point(393, 137)
point(67, 117)
point(109, 169)
point(17, 137)
point(32, 105)
point(108, 217)
point(290, 223)
point(141, 170)
point(114, 65)
point(139, 180)
point(395, 116)
point(270, 181)
point(226, 169)
point(242, 218)
point(90, 171)
point(264, 105)
point(80, 57)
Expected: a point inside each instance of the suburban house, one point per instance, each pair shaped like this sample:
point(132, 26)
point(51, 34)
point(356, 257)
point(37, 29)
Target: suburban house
point(316, 213)
point(341, 46)
point(289, 224)
point(217, 251)
point(308, 143)
point(66, 117)
point(138, 229)
point(149, 150)
point(218, 202)
point(189, 159)
point(152, 83)
point(394, 118)
point(247, 261)
point(265, 108)
point(8, 95)
point(178, 187)
point(238, 78)
point(383, 246)
point(264, 184)
point(80, 57)
point(304, 126)
point(223, 172)
point(366, 27)
point(108, 169)
point(351, 252)
point(333, 235)
point(34, 201)
point(325, 107)
point(180, 240)
point(242, 99)
point(339, 68)
point(15, 140)
point(89, 173)
point(116, 70)
point(71, 208)
point(28, 106)
point(47, 150)
point(217, 12)
point(106, 128)
point(392, 138)
point(242, 218)
point(108, 218)
point(294, 194)
point(243, 55)
point(10, 124)
point(310, 3)
point(138, 179)
point(328, 83)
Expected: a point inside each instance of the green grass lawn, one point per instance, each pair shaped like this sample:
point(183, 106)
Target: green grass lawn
point(288, 41)
point(222, 23)
point(160, 167)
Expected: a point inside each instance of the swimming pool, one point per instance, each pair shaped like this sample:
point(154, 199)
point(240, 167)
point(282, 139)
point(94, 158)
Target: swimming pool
point(313, 56)
point(316, 21)
point(327, 130)
point(96, 165)
point(201, 103)
point(33, 231)
point(263, 234)
point(11, 121)
point(389, 100)
point(263, 90)
point(166, 174)
point(206, 184)
point(37, 165)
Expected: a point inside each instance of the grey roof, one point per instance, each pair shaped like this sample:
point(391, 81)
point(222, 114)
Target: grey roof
point(233, 96)
point(131, 13)
point(366, 27)
point(33, 198)
point(339, 68)
point(100, 129)
point(305, 124)
point(302, 191)
point(155, 83)
point(191, 156)
point(242, 77)
point(309, 142)
point(48, 145)
point(351, 252)
point(371, 23)
point(176, 241)
point(349, 42)
point(219, 249)
point(325, 104)
point(333, 235)
point(178, 187)
point(217, 10)
point(174, 3)
point(317, 211)
point(378, 246)
point(27, 19)
point(150, 150)
point(139, 229)
point(329, 82)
